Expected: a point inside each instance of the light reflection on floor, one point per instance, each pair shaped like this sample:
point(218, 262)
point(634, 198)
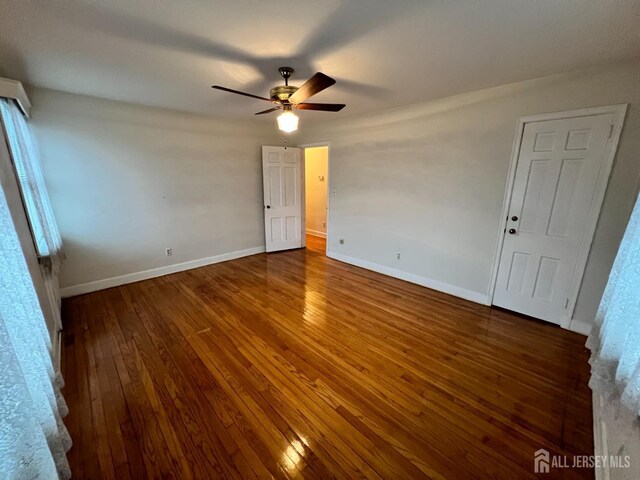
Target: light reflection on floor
point(293, 454)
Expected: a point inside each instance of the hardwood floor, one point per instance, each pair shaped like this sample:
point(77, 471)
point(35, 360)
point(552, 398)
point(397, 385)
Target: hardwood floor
point(295, 365)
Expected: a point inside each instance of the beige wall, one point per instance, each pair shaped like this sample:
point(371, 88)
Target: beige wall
point(428, 180)
point(316, 163)
point(128, 181)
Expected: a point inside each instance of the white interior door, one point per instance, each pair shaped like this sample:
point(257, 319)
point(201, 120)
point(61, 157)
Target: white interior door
point(552, 195)
point(282, 180)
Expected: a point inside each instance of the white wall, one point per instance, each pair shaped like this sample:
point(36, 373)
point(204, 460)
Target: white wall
point(316, 178)
point(428, 180)
point(127, 181)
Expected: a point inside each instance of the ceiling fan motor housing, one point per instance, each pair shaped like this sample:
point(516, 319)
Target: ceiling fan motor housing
point(282, 93)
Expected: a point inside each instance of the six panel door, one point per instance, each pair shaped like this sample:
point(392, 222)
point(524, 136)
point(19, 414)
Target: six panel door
point(282, 179)
point(554, 186)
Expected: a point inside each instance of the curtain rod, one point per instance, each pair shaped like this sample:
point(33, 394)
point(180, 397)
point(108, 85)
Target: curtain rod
point(14, 90)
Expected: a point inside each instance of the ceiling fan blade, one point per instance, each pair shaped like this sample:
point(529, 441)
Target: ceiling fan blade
point(268, 111)
point(225, 89)
point(314, 85)
point(325, 107)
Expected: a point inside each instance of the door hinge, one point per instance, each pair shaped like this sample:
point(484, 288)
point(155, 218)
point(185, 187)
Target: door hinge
point(611, 131)
point(566, 303)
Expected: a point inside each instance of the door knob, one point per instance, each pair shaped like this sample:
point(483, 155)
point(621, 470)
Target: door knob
point(514, 218)
point(268, 206)
point(512, 231)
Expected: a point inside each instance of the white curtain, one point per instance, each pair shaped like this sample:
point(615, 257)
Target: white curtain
point(33, 439)
point(38, 208)
point(615, 340)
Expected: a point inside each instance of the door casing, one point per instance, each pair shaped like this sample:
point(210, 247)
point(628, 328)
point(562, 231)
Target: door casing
point(304, 192)
point(619, 112)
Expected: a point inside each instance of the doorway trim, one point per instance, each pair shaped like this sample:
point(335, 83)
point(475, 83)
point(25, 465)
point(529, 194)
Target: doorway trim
point(619, 112)
point(304, 186)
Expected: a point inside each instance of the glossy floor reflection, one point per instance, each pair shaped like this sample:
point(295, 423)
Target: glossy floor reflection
point(295, 365)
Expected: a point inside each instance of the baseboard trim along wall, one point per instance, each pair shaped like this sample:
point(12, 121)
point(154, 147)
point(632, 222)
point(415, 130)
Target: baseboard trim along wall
point(316, 233)
point(581, 327)
point(576, 326)
point(470, 295)
point(600, 447)
point(155, 272)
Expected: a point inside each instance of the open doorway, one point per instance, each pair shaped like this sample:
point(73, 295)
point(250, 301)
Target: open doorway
point(316, 167)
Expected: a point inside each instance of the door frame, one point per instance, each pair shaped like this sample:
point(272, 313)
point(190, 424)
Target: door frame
point(304, 188)
point(619, 112)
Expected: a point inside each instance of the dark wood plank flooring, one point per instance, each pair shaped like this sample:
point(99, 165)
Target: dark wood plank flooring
point(295, 365)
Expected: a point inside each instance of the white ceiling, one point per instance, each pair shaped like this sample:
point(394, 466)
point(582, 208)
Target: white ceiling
point(382, 53)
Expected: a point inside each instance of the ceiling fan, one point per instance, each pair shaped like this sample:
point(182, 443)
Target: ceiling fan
point(287, 97)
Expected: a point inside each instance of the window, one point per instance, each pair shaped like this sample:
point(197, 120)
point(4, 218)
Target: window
point(34, 195)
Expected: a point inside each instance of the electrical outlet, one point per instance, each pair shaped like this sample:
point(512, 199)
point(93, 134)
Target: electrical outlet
point(168, 252)
point(398, 255)
point(342, 241)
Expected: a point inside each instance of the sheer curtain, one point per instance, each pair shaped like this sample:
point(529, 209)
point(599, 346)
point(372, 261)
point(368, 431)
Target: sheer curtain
point(46, 236)
point(33, 439)
point(615, 340)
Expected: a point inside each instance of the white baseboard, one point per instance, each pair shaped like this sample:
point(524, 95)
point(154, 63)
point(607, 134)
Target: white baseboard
point(154, 272)
point(600, 445)
point(316, 233)
point(410, 277)
point(579, 326)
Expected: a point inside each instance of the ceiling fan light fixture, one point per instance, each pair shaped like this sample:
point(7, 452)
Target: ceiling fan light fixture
point(288, 121)
point(286, 97)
